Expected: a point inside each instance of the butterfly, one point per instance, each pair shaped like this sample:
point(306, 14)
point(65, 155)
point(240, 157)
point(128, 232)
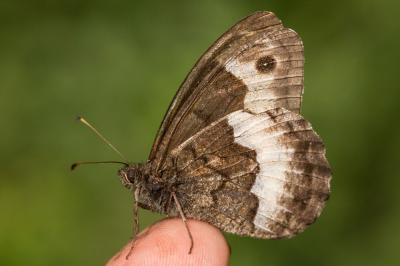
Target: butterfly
point(233, 149)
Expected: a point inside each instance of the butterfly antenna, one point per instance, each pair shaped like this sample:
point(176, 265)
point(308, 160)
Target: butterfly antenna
point(74, 165)
point(86, 123)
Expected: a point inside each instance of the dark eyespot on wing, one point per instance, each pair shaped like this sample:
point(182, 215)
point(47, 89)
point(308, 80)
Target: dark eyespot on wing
point(265, 64)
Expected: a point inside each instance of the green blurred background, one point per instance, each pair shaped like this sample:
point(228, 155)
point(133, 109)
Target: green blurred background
point(120, 62)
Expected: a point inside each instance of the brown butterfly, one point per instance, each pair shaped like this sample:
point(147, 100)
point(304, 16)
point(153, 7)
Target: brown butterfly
point(233, 149)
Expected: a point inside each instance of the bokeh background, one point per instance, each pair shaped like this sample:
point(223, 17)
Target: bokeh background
point(120, 62)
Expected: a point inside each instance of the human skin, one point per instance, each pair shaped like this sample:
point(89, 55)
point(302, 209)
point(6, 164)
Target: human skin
point(166, 243)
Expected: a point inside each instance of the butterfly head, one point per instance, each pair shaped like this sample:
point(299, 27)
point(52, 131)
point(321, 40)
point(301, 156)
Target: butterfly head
point(131, 175)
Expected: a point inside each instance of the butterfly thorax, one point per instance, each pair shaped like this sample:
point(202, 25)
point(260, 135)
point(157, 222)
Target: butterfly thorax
point(153, 191)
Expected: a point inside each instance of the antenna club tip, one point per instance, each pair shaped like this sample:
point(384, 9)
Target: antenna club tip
point(79, 118)
point(73, 166)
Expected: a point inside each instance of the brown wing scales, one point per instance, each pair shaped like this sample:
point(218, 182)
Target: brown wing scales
point(273, 191)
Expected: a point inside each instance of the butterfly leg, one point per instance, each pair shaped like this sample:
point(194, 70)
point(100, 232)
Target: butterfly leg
point(135, 225)
point(178, 205)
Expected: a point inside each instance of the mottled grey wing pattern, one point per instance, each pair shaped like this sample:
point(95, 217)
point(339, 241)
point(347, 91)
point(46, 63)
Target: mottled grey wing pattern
point(263, 175)
point(256, 65)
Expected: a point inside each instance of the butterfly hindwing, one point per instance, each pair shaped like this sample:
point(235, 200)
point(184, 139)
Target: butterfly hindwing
point(263, 175)
point(256, 65)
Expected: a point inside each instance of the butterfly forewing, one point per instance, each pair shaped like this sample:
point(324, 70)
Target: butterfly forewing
point(256, 65)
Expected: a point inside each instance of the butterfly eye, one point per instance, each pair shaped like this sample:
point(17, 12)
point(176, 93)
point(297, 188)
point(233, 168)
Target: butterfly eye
point(265, 64)
point(131, 174)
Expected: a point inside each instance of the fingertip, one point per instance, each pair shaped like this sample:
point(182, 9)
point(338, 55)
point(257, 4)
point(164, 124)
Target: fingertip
point(167, 243)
